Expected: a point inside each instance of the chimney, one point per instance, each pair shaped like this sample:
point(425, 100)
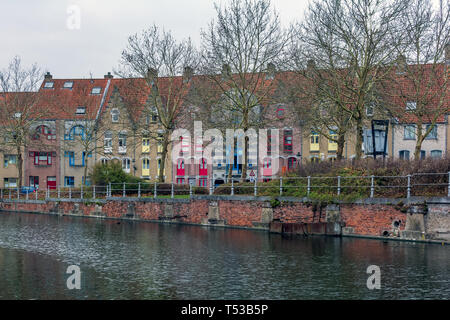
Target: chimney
point(226, 70)
point(401, 64)
point(310, 66)
point(109, 76)
point(271, 70)
point(447, 54)
point(48, 76)
point(188, 73)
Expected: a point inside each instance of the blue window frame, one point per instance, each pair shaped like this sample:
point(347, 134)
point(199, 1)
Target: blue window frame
point(71, 156)
point(75, 131)
point(84, 156)
point(69, 181)
point(410, 132)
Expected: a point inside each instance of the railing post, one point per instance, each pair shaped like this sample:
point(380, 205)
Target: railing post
point(123, 193)
point(9, 190)
point(93, 192)
point(171, 191)
point(70, 192)
point(1, 191)
point(281, 186)
point(18, 193)
point(232, 187)
point(256, 187)
point(372, 186)
point(190, 190)
point(448, 188)
point(59, 192)
point(81, 192)
point(139, 190)
point(154, 191)
point(409, 187)
point(48, 192)
point(26, 196)
point(211, 186)
point(36, 194)
point(339, 186)
point(110, 190)
point(309, 185)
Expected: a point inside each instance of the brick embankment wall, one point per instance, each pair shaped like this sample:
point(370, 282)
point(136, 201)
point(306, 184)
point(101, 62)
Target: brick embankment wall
point(366, 218)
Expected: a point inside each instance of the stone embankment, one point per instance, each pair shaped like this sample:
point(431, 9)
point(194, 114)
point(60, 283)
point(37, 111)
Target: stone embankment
point(420, 219)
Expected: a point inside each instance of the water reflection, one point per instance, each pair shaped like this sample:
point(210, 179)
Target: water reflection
point(129, 260)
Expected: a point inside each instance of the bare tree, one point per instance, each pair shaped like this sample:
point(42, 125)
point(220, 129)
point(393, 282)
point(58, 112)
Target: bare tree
point(352, 43)
point(418, 89)
point(19, 113)
point(241, 50)
point(167, 66)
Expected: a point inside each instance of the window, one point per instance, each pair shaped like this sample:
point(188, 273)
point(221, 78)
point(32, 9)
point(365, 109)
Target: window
point(68, 85)
point(42, 158)
point(280, 112)
point(10, 182)
point(96, 90)
point(369, 110)
point(48, 85)
point(34, 181)
point(126, 164)
point(288, 140)
point(43, 131)
point(145, 167)
point(203, 167)
point(411, 105)
point(269, 143)
point(436, 154)
point(81, 110)
point(115, 115)
point(332, 145)
point(203, 182)
point(154, 114)
point(89, 155)
point(69, 181)
point(71, 156)
point(410, 132)
point(422, 154)
point(122, 139)
point(88, 181)
point(74, 132)
point(404, 154)
point(180, 180)
point(314, 145)
point(145, 145)
point(104, 161)
point(433, 133)
point(9, 159)
point(107, 143)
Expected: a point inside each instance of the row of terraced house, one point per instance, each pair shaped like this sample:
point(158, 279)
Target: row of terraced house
point(59, 155)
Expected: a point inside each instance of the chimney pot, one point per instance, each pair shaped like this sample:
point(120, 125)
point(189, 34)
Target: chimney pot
point(48, 76)
point(109, 76)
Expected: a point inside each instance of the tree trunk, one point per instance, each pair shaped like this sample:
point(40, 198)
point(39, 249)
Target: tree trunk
point(419, 142)
point(86, 163)
point(163, 158)
point(340, 147)
point(359, 139)
point(19, 167)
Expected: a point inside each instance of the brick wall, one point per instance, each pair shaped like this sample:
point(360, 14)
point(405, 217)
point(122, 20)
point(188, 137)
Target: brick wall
point(364, 219)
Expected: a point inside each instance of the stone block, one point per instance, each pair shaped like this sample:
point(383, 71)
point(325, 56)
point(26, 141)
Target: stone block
point(266, 215)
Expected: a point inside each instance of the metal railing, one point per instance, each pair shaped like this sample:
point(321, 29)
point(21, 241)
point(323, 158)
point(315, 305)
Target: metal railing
point(418, 184)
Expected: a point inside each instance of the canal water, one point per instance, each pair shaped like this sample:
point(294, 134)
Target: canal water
point(137, 260)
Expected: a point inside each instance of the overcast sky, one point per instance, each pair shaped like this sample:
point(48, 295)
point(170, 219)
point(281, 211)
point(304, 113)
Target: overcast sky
point(37, 30)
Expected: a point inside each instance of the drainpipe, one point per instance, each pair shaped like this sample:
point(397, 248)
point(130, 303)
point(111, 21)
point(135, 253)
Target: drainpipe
point(392, 138)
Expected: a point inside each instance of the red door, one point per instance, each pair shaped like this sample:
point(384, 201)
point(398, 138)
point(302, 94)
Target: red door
point(51, 183)
point(203, 169)
point(180, 168)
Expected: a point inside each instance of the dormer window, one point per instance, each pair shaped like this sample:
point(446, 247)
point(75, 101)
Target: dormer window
point(280, 112)
point(81, 110)
point(48, 85)
point(411, 105)
point(96, 90)
point(369, 110)
point(68, 85)
point(115, 115)
point(18, 115)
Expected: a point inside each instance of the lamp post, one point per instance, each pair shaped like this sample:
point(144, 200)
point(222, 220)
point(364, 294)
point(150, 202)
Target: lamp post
point(379, 146)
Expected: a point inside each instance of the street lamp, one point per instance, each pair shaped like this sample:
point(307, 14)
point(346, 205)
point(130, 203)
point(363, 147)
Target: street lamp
point(379, 137)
